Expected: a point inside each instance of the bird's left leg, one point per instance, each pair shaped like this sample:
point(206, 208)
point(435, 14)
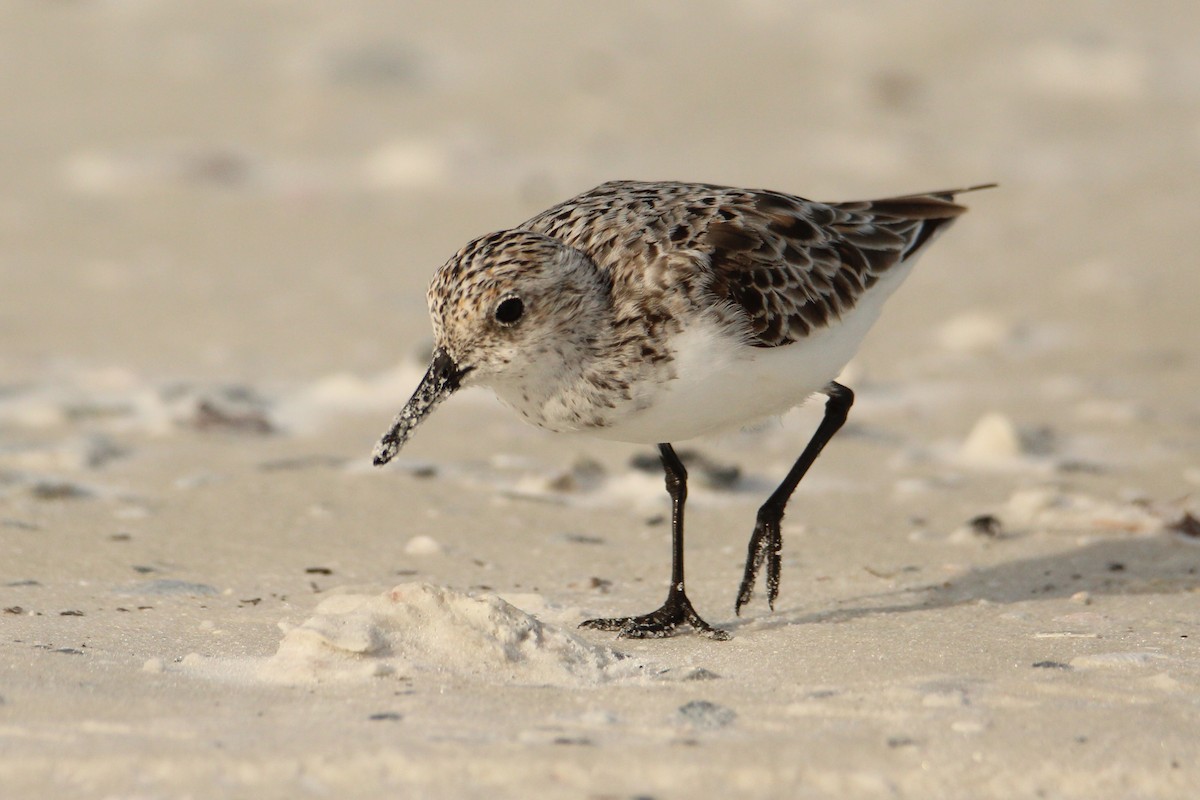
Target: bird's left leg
point(766, 543)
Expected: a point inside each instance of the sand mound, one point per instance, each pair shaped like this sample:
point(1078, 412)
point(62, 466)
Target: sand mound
point(422, 628)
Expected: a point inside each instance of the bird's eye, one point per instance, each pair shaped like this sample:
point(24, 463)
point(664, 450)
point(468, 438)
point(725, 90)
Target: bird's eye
point(509, 311)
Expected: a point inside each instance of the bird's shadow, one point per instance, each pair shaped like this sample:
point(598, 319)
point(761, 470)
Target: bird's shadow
point(1162, 564)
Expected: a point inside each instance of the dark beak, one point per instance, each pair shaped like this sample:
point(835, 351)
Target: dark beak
point(440, 381)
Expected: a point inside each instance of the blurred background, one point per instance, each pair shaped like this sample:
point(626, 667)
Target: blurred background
point(261, 190)
point(218, 219)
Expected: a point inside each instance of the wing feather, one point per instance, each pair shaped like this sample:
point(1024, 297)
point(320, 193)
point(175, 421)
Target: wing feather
point(790, 266)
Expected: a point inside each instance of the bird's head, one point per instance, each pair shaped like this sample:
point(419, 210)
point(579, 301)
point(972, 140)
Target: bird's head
point(506, 310)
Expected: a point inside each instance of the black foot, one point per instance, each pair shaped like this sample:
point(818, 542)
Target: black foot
point(659, 624)
point(766, 544)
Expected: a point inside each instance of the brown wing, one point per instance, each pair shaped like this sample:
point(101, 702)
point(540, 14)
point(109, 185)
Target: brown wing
point(791, 265)
point(794, 265)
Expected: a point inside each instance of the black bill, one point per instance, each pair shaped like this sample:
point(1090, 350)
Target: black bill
point(441, 380)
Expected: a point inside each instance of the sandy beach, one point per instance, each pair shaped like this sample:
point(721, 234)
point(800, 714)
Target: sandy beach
point(217, 224)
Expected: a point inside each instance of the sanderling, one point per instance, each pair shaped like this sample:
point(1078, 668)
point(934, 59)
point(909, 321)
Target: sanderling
point(655, 312)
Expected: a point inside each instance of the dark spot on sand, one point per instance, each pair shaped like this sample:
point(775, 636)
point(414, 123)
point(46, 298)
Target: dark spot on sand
point(987, 525)
point(703, 714)
point(1188, 525)
point(583, 538)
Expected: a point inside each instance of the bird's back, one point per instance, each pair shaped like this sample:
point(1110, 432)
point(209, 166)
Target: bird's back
point(788, 266)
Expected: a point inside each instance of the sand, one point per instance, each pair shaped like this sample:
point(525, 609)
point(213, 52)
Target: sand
point(217, 222)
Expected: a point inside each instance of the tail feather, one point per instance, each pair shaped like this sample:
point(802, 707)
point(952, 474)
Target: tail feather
point(936, 210)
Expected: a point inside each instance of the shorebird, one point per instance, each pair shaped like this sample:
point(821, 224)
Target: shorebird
point(658, 312)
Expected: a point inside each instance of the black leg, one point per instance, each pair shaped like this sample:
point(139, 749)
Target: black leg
point(677, 610)
point(766, 543)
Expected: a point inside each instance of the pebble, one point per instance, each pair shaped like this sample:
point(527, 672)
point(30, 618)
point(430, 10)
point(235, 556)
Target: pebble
point(993, 440)
point(422, 546)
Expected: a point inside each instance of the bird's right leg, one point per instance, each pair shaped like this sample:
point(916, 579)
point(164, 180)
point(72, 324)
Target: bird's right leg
point(677, 610)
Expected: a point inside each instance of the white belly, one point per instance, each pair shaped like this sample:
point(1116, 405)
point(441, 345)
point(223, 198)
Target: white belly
point(722, 384)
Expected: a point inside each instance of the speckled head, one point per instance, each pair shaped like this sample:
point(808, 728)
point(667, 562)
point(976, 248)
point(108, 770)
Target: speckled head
point(505, 309)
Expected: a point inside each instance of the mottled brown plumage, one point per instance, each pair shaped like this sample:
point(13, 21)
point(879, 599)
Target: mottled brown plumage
point(655, 312)
point(790, 265)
